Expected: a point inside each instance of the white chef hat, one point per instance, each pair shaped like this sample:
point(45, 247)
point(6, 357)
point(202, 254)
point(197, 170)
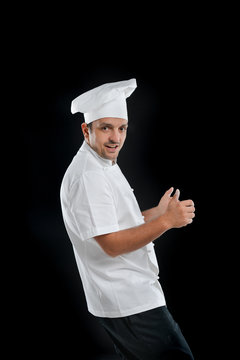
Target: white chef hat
point(107, 100)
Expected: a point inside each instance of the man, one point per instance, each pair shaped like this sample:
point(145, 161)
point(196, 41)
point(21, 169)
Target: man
point(113, 240)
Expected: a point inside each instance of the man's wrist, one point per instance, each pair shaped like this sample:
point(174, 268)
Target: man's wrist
point(165, 221)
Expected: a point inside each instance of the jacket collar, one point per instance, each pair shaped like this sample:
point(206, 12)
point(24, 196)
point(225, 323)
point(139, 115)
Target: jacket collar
point(87, 148)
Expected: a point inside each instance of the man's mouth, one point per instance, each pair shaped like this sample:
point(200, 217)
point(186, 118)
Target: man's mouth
point(111, 146)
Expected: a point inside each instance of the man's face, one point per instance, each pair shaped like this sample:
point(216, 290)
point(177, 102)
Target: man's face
point(106, 136)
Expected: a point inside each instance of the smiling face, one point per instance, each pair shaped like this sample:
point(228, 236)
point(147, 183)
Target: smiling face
point(106, 136)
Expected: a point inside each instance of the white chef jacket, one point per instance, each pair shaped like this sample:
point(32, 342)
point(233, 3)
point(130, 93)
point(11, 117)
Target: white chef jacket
point(96, 199)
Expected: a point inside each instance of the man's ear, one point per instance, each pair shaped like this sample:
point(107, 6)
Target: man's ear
point(85, 131)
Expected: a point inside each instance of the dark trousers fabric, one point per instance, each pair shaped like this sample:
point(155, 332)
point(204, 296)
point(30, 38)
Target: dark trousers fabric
point(150, 335)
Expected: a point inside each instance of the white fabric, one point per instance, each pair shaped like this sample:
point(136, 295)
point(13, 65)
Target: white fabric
point(107, 100)
point(97, 199)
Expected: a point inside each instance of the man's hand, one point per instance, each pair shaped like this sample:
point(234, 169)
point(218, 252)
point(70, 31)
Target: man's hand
point(179, 213)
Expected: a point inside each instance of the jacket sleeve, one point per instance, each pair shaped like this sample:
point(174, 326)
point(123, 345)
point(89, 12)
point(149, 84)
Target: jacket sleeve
point(92, 206)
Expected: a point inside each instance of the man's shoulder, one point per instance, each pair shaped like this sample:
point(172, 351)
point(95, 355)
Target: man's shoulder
point(82, 167)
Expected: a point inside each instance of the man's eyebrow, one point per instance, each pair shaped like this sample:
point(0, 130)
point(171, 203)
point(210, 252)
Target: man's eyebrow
point(111, 125)
point(106, 124)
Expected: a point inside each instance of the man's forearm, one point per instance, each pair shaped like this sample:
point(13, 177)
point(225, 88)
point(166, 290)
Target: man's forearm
point(150, 214)
point(124, 241)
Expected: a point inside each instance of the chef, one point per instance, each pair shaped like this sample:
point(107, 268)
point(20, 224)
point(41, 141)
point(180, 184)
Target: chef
point(112, 239)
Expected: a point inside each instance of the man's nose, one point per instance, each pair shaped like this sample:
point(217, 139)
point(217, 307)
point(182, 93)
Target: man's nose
point(115, 136)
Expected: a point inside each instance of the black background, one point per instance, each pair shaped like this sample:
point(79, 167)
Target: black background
point(173, 139)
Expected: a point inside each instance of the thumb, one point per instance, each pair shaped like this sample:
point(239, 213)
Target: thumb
point(176, 195)
point(169, 191)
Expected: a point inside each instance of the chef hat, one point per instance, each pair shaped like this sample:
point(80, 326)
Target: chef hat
point(107, 100)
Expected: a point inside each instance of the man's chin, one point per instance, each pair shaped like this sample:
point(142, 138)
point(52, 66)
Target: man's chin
point(111, 155)
point(112, 158)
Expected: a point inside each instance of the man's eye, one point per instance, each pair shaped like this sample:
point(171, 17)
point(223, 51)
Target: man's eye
point(105, 128)
point(123, 129)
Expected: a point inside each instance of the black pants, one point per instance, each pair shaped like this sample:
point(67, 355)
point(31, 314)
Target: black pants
point(150, 335)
